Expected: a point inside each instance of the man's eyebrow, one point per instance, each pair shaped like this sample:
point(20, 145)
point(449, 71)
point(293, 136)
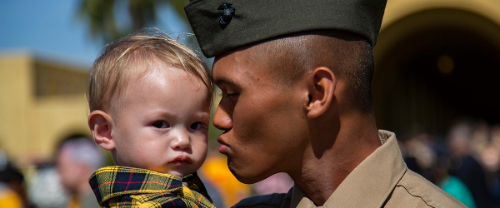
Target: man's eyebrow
point(224, 81)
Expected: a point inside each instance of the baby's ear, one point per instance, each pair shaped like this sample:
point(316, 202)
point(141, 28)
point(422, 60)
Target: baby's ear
point(100, 124)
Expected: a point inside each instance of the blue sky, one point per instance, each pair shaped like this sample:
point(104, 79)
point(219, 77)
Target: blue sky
point(51, 29)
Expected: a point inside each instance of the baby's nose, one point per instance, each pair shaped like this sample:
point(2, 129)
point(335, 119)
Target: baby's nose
point(181, 140)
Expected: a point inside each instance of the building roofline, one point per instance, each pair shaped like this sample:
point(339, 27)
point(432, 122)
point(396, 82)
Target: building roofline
point(47, 57)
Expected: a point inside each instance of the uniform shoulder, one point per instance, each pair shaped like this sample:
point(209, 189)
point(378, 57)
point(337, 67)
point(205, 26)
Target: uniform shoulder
point(419, 189)
point(264, 201)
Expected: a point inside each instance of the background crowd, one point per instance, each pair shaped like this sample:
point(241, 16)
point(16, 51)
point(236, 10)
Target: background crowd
point(63, 181)
point(465, 162)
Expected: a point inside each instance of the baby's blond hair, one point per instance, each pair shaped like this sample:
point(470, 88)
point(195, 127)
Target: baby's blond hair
point(112, 69)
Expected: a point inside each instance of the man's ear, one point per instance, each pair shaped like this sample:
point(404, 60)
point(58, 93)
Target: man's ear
point(100, 124)
point(321, 86)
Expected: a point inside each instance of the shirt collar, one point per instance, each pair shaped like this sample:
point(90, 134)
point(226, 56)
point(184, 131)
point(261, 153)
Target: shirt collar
point(113, 181)
point(369, 184)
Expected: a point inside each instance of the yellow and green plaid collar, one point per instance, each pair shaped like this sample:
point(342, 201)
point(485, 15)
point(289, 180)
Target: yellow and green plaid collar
point(116, 185)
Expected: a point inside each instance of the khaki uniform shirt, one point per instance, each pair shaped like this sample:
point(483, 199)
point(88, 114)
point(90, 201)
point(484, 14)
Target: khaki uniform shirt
point(381, 180)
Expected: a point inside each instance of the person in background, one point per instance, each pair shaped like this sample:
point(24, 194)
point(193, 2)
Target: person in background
point(418, 147)
point(452, 185)
point(77, 158)
point(464, 166)
point(277, 183)
point(12, 190)
point(45, 189)
point(217, 173)
point(490, 155)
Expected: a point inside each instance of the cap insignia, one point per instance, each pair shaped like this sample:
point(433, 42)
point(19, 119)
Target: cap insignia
point(226, 15)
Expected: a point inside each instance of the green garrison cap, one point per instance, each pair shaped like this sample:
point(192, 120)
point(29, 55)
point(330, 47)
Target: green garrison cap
point(224, 25)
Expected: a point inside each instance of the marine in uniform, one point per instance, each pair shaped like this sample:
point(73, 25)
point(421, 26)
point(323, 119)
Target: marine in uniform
point(296, 82)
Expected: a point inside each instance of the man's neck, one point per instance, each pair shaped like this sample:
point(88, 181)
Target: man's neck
point(334, 156)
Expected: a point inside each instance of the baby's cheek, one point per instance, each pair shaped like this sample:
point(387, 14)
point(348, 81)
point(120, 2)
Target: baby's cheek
point(200, 148)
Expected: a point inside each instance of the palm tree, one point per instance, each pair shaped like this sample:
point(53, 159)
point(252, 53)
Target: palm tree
point(101, 18)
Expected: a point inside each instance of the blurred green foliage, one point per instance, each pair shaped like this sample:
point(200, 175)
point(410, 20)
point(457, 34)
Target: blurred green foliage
point(101, 15)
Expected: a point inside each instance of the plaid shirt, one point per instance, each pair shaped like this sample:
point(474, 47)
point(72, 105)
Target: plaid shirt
point(117, 186)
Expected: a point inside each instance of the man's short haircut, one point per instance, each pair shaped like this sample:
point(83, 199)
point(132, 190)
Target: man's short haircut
point(349, 56)
point(119, 60)
point(82, 150)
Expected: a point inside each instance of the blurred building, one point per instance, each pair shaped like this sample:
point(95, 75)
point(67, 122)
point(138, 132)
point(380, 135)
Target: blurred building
point(41, 102)
point(437, 61)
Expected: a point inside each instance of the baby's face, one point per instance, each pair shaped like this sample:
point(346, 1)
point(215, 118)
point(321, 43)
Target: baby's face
point(162, 122)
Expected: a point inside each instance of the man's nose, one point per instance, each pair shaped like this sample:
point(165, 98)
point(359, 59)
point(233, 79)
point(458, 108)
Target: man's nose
point(222, 119)
point(182, 140)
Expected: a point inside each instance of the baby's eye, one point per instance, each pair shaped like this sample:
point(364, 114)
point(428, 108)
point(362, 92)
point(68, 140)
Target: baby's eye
point(160, 124)
point(197, 125)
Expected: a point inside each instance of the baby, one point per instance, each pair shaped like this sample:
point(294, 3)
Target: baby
point(149, 98)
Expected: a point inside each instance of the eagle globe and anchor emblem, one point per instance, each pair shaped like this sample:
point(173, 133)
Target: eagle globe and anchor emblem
point(226, 15)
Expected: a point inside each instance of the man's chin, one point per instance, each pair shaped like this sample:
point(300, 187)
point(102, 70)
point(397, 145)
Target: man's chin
point(247, 180)
point(247, 176)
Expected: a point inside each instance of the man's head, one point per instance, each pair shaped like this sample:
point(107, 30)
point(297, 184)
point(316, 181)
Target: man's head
point(150, 98)
point(77, 158)
point(459, 139)
point(347, 55)
point(272, 91)
point(292, 73)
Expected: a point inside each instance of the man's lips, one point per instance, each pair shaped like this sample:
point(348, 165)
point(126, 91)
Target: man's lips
point(224, 148)
point(182, 159)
